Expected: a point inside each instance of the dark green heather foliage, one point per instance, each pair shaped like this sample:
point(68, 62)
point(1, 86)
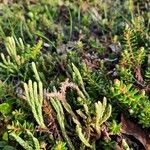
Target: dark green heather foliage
point(135, 101)
point(69, 70)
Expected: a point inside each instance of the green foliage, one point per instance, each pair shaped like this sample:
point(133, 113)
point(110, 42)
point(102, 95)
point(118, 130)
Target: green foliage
point(35, 72)
point(35, 143)
point(125, 145)
point(147, 75)
point(147, 72)
point(127, 95)
point(102, 112)
point(129, 68)
point(13, 61)
point(18, 54)
point(5, 146)
point(5, 108)
point(34, 96)
point(97, 81)
point(59, 146)
point(52, 40)
point(22, 133)
point(108, 145)
point(19, 115)
point(77, 77)
point(32, 52)
point(20, 128)
point(114, 127)
point(126, 74)
point(133, 100)
point(93, 119)
point(60, 117)
point(132, 56)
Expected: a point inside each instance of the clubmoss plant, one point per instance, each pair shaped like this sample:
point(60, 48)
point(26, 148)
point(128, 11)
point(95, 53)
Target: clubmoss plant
point(34, 96)
point(102, 113)
point(92, 63)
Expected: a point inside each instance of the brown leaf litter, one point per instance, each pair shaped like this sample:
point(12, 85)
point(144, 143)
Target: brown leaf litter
point(130, 128)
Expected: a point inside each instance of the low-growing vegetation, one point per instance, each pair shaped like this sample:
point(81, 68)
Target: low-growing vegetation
point(74, 74)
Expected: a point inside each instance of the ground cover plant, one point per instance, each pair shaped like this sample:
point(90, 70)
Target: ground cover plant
point(74, 74)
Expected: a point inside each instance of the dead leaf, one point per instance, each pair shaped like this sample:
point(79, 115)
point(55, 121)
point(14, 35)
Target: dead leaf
point(138, 74)
point(105, 133)
point(91, 60)
point(148, 56)
point(130, 128)
point(50, 120)
point(119, 148)
point(115, 47)
point(147, 88)
point(63, 48)
point(84, 7)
